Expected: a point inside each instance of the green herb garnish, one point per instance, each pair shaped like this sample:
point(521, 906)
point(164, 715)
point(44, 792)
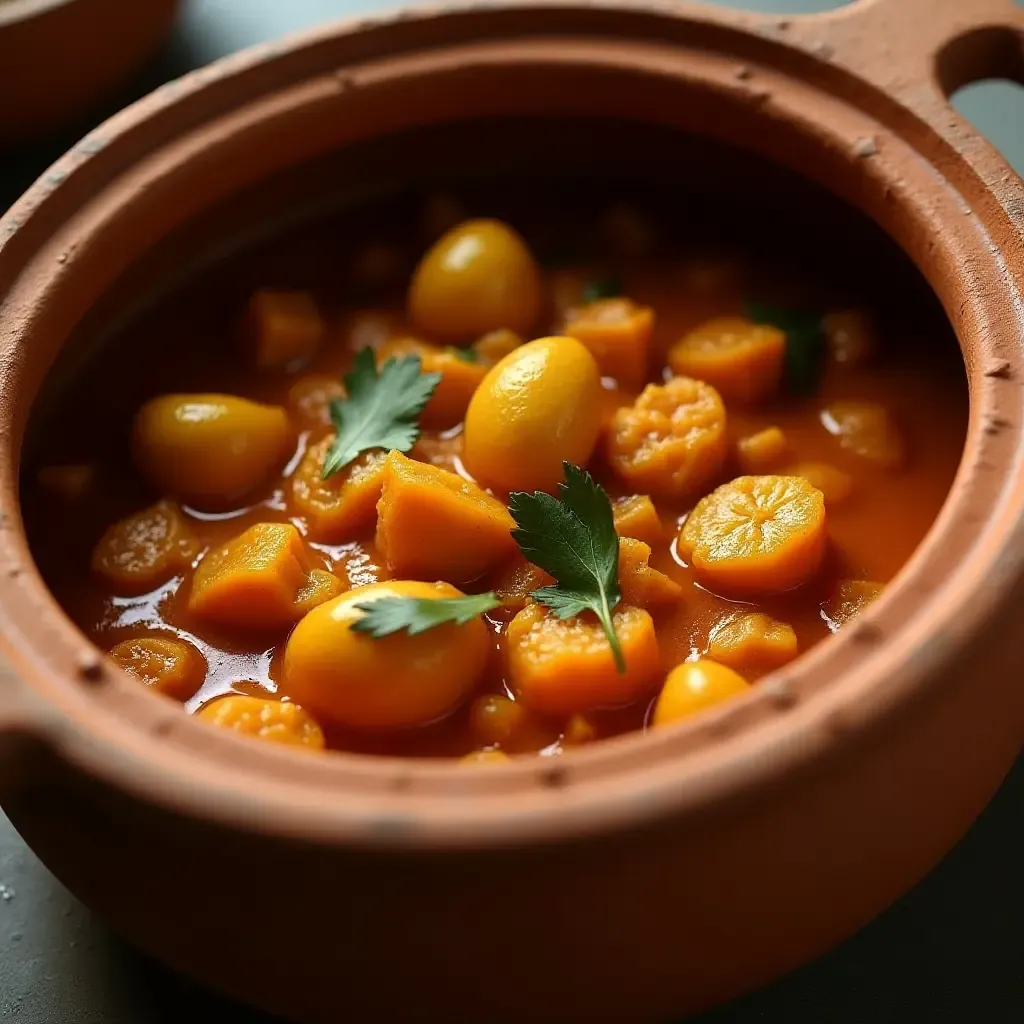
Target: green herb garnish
point(379, 410)
point(805, 344)
point(602, 288)
point(418, 614)
point(573, 538)
point(467, 355)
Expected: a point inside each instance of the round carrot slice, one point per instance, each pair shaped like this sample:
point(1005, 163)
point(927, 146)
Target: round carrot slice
point(672, 440)
point(743, 360)
point(756, 535)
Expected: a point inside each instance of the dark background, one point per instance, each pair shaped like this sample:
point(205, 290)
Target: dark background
point(953, 950)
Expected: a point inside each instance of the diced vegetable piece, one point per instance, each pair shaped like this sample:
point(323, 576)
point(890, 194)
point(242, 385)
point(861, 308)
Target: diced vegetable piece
point(496, 720)
point(641, 585)
point(761, 452)
point(398, 681)
point(461, 374)
point(568, 287)
point(742, 360)
point(562, 666)
point(851, 336)
point(485, 757)
point(210, 449)
point(672, 440)
point(479, 277)
point(171, 667)
point(636, 517)
point(517, 581)
point(70, 482)
point(836, 485)
point(263, 579)
point(495, 345)
point(320, 588)
point(285, 328)
point(579, 730)
point(756, 535)
point(310, 397)
point(145, 550)
point(866, 429)
point(752, 641)
point(696, 686)
point(370, 328)
point(617, 332)
point(432, 524)
point(848, 600)
point(536, 408)
point(337, 507)
point(272, 720)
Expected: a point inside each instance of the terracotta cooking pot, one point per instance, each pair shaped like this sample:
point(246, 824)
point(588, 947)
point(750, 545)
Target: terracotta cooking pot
point(58, 57)
point(646, 876)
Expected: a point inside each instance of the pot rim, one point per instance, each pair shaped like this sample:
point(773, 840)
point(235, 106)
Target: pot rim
point(22, 10)
point(135, 741)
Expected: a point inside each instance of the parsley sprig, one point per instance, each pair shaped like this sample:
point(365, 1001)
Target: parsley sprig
point(414, 615)
point(380, 410)
point(573, 538)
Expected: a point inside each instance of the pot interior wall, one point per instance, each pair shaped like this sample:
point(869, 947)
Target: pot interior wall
point(705, 196)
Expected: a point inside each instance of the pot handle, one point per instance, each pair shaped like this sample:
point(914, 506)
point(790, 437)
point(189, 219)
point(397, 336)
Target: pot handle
point(919, 52)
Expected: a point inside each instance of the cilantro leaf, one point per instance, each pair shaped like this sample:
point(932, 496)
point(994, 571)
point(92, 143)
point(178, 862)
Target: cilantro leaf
point(418, 614)
point(573, 538)
point(467, 355)
point(602, 288)
point(805, 344)
point(379, 410)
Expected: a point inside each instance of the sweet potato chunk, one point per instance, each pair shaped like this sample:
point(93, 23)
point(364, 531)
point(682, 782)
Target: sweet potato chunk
point(145, 550)
point(752, 641)
point(761, 452)
point(461, 371)
point(563, 666)
point(284, 327)
point(273, 721)
point(310, 398)
point(866, 429)
point(343, 503)
point(433, 525)
point(514, 583)
point(641, 585)
point(263, 579)
point(636, 517)
point(618, 334)
point(836, 485)
point(851, 336)
point(170, 666)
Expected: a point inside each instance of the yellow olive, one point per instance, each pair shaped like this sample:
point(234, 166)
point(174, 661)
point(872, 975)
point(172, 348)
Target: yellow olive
point(209, 450)
point(479, 277)
point(396, 681)
point(537, 407)
point(696, 686)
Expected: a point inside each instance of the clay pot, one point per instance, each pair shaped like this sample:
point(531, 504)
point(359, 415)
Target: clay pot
point(58, 57)
point(646, 876)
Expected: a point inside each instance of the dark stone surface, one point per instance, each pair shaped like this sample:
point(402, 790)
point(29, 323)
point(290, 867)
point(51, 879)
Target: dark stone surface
point(953, 950)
